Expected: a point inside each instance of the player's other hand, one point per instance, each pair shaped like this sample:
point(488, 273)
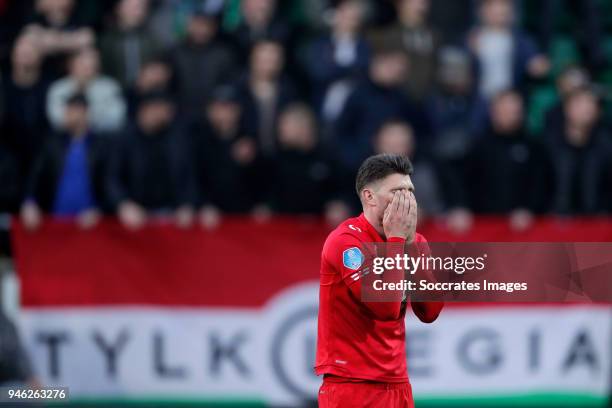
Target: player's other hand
point(400, 217)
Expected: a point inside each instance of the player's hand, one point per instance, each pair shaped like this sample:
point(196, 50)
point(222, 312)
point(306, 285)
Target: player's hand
point(400, 216)
point(413, 212)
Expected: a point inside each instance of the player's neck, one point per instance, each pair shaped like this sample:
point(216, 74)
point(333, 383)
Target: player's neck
point(375, 223)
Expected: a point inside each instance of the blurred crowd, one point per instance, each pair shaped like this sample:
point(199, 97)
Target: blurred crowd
point(193, 109)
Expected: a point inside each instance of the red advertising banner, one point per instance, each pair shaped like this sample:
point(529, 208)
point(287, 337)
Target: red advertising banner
point(240, 264)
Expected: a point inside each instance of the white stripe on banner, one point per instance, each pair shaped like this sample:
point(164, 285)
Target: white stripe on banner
point(268, 353)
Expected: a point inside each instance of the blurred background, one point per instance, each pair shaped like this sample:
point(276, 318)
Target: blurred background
point(132, 121)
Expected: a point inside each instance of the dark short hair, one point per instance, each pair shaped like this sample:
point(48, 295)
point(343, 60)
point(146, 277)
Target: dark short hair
point(77, 99)
point(155, 97)
point(378, 167)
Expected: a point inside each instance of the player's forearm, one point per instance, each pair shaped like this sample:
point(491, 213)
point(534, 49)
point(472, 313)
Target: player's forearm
point(384, 311)
point(391, 310)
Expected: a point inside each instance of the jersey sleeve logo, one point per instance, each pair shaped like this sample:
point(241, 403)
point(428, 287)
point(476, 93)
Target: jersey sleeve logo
point(352, 258)
point(354, 228)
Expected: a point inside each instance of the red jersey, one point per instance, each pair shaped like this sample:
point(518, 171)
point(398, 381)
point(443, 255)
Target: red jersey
point(358, 340)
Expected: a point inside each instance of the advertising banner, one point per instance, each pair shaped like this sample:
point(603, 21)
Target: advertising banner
point(229, 317)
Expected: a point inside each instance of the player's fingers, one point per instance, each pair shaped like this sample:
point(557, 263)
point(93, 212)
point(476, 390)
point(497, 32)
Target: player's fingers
point(389, 209)
point(407, 204)
point(413, 205)
point(386, 213)
point(392, 205)
point(396, 198)
point(400, 205)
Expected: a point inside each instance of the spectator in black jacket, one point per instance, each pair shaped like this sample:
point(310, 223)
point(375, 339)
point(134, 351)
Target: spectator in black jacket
point(201, 61)
point(67, 177)
point(507, 171)
point(128, 42)
point(10, 181)
point(304, 180)
point(570, 79)
point(226, 159)
point(24, 92)
point(378, 99)
point(150, 169)
point(581, 146)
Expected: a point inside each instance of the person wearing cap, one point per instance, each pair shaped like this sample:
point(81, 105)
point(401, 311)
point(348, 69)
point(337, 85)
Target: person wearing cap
point(67, 177)
point(201, 61)
point(150, 171)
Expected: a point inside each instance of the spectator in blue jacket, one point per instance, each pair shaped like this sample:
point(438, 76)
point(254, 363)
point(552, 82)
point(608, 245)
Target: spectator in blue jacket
point(67, 178)
point(336, 60)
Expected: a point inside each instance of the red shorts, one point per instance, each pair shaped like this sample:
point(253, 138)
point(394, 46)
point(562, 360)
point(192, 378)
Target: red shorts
point(365, 395)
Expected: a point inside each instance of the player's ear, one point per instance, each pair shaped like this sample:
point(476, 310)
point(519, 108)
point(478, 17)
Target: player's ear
point(367, 197)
